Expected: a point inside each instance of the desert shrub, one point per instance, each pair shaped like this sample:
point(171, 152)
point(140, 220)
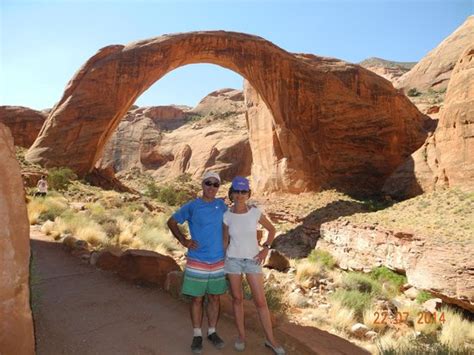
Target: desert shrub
point(152, 237)
point(361, 282)
point(353, 299)
point(152, 190)
point(184, 178)
point(421, 345)
point(111, 228)
point(92, 233)
point(306, 272)
point(60, 178)
point(342, 317)
point(456, 332)
point(172, 196)
point(274, 296)
point(423, 296)
point(413, 92)
point(43, 209)
point(323, 258)
point(384, 274)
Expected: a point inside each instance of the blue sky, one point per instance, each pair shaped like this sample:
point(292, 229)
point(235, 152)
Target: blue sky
point(43, 42)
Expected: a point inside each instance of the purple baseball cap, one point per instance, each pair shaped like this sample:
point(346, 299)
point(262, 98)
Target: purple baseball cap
point(239, 183)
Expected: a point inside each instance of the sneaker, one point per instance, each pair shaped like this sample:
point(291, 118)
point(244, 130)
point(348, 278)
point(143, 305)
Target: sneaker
point(216, 340)
point(196, 345)
point(277, 350)
point(239, 345)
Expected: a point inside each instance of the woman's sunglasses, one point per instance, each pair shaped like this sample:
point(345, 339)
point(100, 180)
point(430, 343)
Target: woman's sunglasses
point(241, 192)
point(210, 183)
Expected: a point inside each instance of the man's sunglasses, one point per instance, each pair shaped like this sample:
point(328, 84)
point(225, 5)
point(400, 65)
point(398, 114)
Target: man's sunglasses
point(241, 192)
point(210, 183)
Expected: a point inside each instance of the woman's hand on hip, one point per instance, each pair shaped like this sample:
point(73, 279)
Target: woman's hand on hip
point(261, 256)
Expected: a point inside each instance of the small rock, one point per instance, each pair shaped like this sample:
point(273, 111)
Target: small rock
point(324, 306)
point(432, 305)
point(297, 300)
point(371, 335)
point(359, 330)
point(93, 258)
point(277, 261)
point(411, 293)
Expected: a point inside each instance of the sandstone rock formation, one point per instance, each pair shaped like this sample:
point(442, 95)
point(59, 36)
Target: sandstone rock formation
point(387, 69)
point(24, 123)
point(434, 70)
point(16, 323)
point(213, 135)
point(138, 133)
point(447, 157)
point(333, 123)
point(445, 269)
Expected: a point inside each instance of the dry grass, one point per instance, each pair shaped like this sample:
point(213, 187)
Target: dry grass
point(370, 318)
point(41, 209)
point(93, 234)
point(456, 332)
point(307, 272)
point(342, 318)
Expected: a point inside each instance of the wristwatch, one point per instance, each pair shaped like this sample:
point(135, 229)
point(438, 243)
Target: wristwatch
point(266, 245)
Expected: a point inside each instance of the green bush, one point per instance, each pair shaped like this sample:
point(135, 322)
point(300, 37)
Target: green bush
point(167, 194)
point(413, 92)
point(353, 299)
point(323, 258)
point(384, 274)
point(423, 296)
point(354, 281)
point(60, 178)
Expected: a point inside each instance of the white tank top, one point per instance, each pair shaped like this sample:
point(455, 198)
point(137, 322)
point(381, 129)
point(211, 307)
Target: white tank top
point(243, 233)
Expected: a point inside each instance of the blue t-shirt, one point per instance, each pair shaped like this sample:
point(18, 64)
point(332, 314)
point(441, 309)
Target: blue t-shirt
point(205, 224)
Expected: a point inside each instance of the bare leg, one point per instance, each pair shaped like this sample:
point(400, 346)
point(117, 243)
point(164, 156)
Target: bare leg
point(258, 294)
point(213, 310)
point(237, 302)
point(196, 312)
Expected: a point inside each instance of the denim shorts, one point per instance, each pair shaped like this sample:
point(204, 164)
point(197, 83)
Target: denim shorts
point(242, 266)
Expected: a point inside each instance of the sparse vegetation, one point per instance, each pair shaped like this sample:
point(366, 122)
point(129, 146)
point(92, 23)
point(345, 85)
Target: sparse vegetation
point(324, 258)
point(413, 92)
point(423, 296)
point(60, 178)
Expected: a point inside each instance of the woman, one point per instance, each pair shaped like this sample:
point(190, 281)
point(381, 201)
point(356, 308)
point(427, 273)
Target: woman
point(244, 256)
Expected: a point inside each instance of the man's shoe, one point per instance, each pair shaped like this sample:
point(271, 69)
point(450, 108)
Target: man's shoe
point(196, 345)
point(216, 340)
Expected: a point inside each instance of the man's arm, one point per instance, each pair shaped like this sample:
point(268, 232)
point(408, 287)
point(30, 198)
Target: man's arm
point(187, 243)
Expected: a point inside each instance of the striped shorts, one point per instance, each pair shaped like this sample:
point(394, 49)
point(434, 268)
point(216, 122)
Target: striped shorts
point(201, 277)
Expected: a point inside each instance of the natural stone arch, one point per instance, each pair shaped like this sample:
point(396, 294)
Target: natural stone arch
point(312, 103)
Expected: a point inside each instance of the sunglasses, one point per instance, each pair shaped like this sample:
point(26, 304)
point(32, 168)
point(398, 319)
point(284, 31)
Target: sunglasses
point(210, 183)
point(241, 192)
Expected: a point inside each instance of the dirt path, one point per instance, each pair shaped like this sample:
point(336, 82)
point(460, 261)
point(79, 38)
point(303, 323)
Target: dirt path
point(82, 310)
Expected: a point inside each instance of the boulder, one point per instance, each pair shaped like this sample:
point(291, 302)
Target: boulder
point(276, 260)
point(146, 267)
point(173, 283)
point(16, 323)
point(24, 123)
point(107, 260)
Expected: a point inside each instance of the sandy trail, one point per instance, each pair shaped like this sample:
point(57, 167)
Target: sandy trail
point(83, 310)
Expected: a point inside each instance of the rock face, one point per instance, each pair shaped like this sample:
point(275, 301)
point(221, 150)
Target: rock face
point(333, 123)
point(445, 270)
point(435, 69)
point(131, 145)
point(387, 69)
point(446, 158)
point(213, 135)
point(24, 123)
point(16, 323)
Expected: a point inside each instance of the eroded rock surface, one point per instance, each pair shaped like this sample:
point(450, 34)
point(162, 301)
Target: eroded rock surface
point(16, 324)
point(445, 269)
point(446, 159)
point(333, 123)
point(23, 122)
point(387, 69)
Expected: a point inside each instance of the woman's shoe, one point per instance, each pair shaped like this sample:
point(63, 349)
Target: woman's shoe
point(239, 345)
point(277, 350)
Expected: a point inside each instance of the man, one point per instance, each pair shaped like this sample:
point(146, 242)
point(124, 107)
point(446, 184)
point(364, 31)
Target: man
point(42, 186)
point(204, 272)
